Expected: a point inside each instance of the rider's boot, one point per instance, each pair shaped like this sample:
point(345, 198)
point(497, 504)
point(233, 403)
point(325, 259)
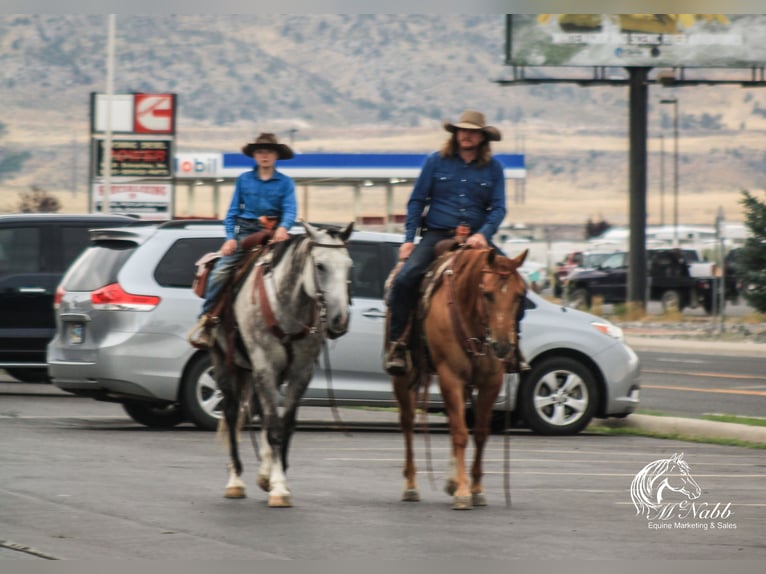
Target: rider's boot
point(201, 335)
point(395, 362)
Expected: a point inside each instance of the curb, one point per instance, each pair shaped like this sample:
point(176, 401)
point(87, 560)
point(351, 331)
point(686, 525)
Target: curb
point(688, 428)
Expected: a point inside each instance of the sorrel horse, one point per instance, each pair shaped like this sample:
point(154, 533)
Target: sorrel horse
point(468, 333)
point(292, 299)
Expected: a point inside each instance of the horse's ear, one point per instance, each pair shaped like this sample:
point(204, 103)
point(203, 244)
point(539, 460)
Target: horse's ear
point(518, 261)
point(346, 233)
point(310, 229)
point(491, 256)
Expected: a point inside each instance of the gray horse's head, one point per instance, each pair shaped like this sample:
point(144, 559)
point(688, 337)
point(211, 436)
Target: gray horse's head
point(327, 277)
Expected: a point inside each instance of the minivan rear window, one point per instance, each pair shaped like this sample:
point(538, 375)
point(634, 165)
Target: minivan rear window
point(97, 266)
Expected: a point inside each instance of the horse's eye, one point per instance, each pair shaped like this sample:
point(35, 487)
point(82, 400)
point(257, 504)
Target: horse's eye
point(321, 268)
point(488, 296)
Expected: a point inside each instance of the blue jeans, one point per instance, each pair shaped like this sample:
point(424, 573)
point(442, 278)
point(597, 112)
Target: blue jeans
point(226, 264)
point(404, 290)
point(406, 285)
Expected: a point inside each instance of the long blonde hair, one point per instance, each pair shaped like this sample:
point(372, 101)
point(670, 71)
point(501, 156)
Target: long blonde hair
point(450, 148)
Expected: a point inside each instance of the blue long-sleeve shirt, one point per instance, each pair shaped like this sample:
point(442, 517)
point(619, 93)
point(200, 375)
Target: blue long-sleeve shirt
point(254, 197)
point(457, 192)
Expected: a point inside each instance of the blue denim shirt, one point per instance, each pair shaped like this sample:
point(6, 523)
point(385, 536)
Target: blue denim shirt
point(457, 192)
point(254, 197)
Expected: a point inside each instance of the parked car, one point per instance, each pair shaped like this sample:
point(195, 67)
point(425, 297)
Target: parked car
point(573, 262)
point(669, 281)
point(125, 306)
point(35, 250)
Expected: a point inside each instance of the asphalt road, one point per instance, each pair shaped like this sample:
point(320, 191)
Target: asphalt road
point(79, 480)
point(694, 384)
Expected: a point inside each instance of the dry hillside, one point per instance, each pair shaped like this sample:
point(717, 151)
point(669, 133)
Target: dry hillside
point(365, 83)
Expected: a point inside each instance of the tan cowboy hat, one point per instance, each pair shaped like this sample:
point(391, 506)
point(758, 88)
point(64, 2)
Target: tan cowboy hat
point(473, 120)
point(268, 141)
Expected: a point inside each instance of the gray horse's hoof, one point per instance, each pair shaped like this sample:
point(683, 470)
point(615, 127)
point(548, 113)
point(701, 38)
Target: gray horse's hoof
point(234, 492)
point(280, 501)
point(479, 499)
point(462, 503)
point(410, 495)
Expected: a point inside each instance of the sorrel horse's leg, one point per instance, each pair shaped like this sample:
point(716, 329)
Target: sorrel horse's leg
point(406, 397)
point(454, 401)
point(485, 399)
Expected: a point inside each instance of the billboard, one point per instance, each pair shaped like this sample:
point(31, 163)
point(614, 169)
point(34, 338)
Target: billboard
point(149, 200)
point(136, 158)
point(137, 113)
point(648, 40)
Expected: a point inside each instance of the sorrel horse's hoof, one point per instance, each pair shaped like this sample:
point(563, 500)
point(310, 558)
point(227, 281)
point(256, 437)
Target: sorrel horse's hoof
point(479, 499)
point(450, 486)
point(410, 495)
point(462, 503)
point(280, 501)
point(263, 483)
point(234, 492)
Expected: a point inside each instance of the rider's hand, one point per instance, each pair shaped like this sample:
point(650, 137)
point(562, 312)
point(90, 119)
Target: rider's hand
point(477, 240)
point(280, 234)
point(229, 246)
point(405, 249)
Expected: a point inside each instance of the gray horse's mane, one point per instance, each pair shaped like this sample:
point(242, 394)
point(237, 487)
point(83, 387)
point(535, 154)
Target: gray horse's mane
point(281, 248)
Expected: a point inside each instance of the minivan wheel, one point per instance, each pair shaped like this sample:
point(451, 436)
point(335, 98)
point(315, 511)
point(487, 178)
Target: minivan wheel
point(201, 399)
point(153, 415)
point(558, 396)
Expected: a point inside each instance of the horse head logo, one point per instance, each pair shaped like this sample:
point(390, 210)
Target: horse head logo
point(650, 486)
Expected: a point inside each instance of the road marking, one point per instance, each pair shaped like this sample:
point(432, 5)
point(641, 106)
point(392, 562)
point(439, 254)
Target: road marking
point(698, 390)
point(706, 375)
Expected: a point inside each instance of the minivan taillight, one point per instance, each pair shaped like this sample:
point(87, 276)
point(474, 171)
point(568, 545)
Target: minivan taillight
point(114, 298)
point(58, 297)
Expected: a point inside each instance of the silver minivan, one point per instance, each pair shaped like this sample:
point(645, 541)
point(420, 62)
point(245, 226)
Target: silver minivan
point(125, 306)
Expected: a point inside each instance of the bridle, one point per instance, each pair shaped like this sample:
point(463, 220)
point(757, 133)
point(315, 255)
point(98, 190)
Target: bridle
point(474, 346)
point(318, 309)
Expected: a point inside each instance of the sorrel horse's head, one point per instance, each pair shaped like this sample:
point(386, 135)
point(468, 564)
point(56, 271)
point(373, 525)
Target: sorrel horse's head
point(492, 291)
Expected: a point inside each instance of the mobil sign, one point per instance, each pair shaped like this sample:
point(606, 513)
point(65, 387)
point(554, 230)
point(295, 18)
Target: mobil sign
point(195, 165)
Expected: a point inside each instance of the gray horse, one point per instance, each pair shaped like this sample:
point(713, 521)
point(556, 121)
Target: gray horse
point(291, 299)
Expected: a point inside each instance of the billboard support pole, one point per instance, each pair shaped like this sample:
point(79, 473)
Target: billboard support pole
point(637, 267)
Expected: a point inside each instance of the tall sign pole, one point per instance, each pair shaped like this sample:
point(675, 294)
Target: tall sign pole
point(109, 97)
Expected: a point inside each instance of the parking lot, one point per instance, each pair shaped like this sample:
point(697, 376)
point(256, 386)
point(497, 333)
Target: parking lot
point(80, 480)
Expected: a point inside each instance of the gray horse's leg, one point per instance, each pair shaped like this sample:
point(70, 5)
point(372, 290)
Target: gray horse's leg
point(271, 475)
point(232, 394)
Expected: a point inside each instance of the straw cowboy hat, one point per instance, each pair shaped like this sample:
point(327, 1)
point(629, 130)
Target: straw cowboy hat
point(268, 141)
point(473, 120)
